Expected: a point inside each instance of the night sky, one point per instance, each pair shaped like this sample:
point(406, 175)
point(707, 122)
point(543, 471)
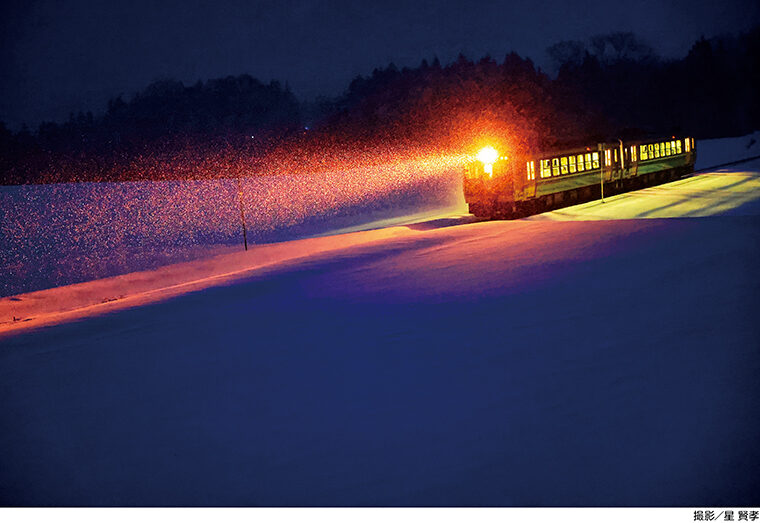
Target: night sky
point(57, 57)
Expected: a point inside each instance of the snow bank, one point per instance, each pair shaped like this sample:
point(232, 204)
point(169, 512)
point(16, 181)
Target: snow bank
point(51, 306)
point(725, 150)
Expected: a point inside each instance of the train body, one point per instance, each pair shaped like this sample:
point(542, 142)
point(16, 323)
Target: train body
point(502, 187)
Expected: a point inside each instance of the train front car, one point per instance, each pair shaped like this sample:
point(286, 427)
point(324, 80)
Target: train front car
point(489, 188)
point(500, 187)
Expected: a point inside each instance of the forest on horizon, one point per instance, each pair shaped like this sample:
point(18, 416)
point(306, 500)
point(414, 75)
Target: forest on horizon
point(613, 85)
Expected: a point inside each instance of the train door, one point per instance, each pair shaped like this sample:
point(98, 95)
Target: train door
point(607, 165)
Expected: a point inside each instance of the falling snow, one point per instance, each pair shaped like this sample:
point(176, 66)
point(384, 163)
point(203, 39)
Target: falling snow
point(57, 234)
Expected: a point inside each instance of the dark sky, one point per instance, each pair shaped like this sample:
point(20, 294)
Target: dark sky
point(62, 56)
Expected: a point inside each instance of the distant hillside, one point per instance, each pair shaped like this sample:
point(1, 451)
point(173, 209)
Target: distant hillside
point(611, 85)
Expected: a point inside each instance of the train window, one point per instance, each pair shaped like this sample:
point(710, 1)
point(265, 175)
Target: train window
point(644, 155)
point(607, 157)
point(686, 143)
point(595, 163)
point(633, 153)
point(580, 163)
point(571, 161)
point(692, 143)
point(616, 158)
point(563, 162)
point(662, 149)
point(667, 148)
point(555, 166)
point(650, 151)
point(678, 146)
point(673, 147)
point(531, 169)
point(546, 171)
point(657, 150)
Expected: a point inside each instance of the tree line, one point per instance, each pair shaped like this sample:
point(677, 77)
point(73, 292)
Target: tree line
point(610, 86)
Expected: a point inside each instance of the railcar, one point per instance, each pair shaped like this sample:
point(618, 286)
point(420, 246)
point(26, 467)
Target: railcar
point(497, 186)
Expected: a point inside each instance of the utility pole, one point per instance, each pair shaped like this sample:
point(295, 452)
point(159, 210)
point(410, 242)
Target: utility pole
point(601, 170)
point(242, 212)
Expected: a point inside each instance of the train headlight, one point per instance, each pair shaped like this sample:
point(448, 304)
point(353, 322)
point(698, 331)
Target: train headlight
point(488, 155)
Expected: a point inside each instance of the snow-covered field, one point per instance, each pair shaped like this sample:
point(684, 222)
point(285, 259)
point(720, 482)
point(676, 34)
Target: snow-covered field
point(58, 234)
point(549, 361)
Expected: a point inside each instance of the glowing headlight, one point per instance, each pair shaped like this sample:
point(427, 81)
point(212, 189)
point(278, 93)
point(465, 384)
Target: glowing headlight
point(488, 155)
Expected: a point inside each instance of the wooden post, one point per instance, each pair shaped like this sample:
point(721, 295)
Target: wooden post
point(601, 169)
point(242, 212)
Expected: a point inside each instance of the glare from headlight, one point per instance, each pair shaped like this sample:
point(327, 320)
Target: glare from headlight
point(488, 155)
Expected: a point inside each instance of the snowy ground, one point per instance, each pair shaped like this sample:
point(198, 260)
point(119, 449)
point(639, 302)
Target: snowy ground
point(58, 234)
point(724, 150)
point(549, 361)
point(731, 191)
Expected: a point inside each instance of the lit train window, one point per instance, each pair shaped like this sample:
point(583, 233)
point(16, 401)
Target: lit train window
point(657, 150)
point(667, 148)
point(673, 147)
point(633, 153)
point(546, 171)
point(692, 143)
point(644, 155)
point(595, 163)
point(555, 166)
point(607, 158)
point(563, 162)
point(580, 163)
point(662, 149)
point(572, 163)
point(531, 168)
point(686, 143)
point(678, 146)
point(650, 151)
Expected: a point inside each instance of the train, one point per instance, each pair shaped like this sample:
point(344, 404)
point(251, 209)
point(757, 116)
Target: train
point(503, 186)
